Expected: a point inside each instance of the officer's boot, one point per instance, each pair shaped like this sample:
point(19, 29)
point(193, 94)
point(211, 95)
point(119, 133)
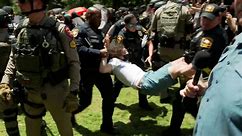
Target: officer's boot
point(73, 120)
point(143, 102)
point(10, 121)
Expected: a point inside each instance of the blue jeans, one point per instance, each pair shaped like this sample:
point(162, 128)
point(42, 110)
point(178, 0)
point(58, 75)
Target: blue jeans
point(154, 82)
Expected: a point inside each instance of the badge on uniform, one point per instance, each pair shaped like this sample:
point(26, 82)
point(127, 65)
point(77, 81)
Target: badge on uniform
point(209, 8)
point(120, 39)
point(73, 44)
point(206, 42)
point(140, 33)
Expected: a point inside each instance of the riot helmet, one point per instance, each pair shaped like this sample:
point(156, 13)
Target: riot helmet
point(3, 18)
point(45, 2)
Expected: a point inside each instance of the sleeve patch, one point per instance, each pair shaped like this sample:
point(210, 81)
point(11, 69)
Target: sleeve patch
point(73, 44)
point(206, 42)
point(120, 39)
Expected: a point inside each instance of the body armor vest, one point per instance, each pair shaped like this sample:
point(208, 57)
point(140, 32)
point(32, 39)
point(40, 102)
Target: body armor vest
point(132, 43)
point(38, 53)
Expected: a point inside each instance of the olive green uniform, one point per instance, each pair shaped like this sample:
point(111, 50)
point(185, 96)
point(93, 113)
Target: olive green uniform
point(32, 71)
point(168, 54)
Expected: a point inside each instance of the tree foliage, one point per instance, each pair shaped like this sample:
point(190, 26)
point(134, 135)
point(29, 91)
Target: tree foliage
point(68, 4)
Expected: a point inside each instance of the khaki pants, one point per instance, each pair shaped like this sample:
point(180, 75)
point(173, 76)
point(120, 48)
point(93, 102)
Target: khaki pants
point(167, 55)
point(170, 54)
point(53, 102)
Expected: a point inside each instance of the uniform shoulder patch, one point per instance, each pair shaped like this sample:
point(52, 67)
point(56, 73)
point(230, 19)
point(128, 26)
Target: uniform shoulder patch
point(120, 39)
point(206, 42)
point(73, 44)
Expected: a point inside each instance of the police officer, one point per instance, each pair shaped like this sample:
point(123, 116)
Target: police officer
point(42, 60)
point(10, 113)
point(91, 50)
point(11, 24)
point(135, 40)
point(172, 24)
point(210, 39)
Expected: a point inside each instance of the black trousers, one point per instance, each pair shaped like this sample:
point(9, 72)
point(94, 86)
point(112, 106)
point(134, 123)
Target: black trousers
point(179, 107)
point(104, 84)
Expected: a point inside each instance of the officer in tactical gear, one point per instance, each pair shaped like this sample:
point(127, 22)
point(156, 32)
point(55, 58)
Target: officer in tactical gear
point(10, 112)
point(91, 50)
point(171, 23)
point(210, 39)
point(42, 60)
point(135, 39)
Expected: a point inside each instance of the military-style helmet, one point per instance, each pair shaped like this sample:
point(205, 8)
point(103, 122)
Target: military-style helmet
point(23, 1)
point(8, 9)
point(45, 2)
point(3, 18)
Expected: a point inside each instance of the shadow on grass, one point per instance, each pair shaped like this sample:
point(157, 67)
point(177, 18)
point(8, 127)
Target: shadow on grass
point(139, 125)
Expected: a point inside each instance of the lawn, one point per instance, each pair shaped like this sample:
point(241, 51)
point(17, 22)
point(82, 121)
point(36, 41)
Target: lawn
point(128, 117)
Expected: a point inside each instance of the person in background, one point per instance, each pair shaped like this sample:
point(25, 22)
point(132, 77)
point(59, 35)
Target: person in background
point(220, 108)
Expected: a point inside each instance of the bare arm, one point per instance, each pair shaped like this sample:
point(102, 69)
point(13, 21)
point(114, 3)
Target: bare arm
point(150, 48)
point(104, 67)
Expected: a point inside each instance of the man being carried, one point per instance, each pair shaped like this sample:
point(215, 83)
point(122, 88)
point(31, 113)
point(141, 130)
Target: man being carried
point(151, 83)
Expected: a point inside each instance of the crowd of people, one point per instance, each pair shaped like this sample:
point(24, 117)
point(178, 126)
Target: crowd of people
point(51, 60)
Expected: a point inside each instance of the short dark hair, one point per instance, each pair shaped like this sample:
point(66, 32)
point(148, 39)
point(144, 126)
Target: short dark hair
point(128, 18)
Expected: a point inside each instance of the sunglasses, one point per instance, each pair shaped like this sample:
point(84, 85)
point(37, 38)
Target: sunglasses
point(130, 25)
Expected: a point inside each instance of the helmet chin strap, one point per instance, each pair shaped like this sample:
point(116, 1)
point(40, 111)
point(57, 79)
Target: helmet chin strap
point(32, 9)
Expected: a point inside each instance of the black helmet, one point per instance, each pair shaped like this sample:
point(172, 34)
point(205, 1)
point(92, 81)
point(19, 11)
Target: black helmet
point(23, 1)
point(3, 18)
point(8, 9)
point(45, 2)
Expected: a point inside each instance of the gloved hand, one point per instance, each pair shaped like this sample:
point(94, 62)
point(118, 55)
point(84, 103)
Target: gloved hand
point(5, 93)
point(71, 102)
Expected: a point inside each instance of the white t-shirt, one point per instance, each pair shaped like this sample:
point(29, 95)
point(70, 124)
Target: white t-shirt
point(128, 73)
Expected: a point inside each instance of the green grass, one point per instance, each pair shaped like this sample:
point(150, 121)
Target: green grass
point(128, 117)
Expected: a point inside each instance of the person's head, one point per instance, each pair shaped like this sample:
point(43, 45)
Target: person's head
point(210, 16)
point(93, 16)
point(116, 49)
point(9, 10)
point(28, 7)
point(130, 22)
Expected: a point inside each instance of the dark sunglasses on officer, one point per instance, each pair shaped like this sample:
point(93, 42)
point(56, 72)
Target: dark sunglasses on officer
point(131, 25)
